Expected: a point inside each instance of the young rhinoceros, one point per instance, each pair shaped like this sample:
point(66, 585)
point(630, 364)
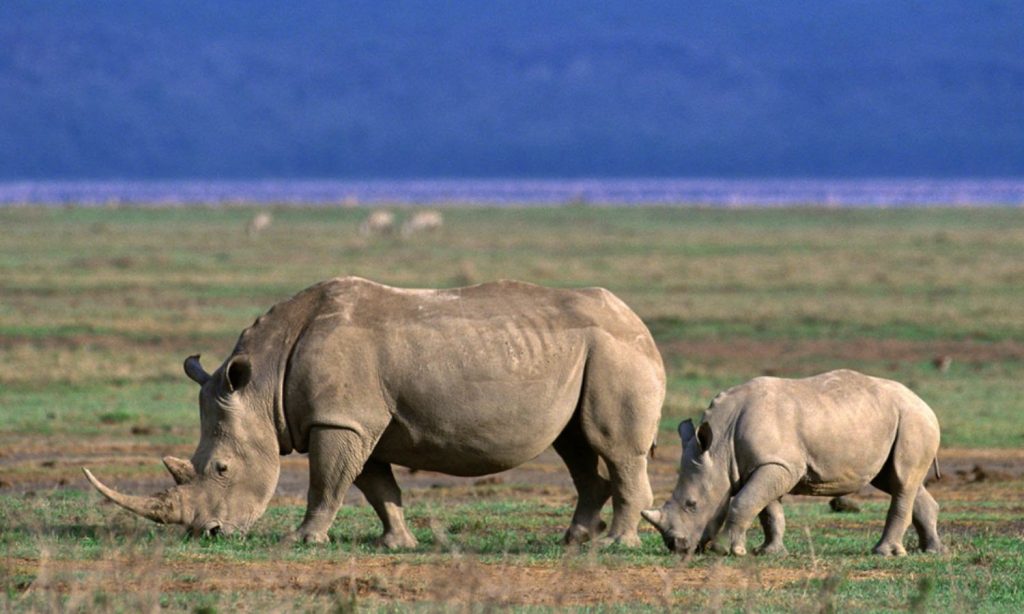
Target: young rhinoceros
point(826, 435)
point(467, 381)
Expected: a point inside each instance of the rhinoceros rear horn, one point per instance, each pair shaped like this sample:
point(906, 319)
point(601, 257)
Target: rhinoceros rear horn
point(165, 507)
point(195, 371)
point(686, 431)
point(181, 470)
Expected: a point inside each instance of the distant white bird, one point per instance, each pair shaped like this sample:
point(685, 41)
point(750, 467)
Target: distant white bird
point(259, 222)
point(378, 223)
point(422, 221)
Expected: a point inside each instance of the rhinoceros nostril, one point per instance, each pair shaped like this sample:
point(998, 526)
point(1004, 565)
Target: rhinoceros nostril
point(213, 531)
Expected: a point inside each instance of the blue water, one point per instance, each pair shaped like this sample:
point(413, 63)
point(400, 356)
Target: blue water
point(510, 192)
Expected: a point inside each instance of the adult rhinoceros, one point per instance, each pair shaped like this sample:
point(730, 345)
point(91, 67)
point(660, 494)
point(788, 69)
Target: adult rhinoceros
point(467, 381)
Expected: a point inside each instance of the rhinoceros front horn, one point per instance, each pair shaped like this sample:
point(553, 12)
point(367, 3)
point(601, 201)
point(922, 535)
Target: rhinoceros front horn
point(165, 507)
point(195, 371)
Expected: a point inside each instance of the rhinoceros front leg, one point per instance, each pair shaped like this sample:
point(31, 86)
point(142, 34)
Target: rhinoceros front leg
point(765, 486)
point(336, 457)
point(773, 522)
point(377, 483)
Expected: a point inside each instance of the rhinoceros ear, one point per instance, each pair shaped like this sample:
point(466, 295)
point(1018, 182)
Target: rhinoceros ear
point(686, 431)
point(237, 372)
point(704, 437)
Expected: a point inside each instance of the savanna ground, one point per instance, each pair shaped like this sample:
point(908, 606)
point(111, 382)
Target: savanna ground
point(98, 307)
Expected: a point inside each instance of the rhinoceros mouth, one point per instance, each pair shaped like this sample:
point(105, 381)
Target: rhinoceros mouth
point(218, 528)
point(673, 542)
point(208, 529)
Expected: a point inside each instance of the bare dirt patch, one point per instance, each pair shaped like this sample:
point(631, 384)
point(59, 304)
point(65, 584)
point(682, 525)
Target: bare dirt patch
point(135, 467)
point(447, 579)
point(772, 354)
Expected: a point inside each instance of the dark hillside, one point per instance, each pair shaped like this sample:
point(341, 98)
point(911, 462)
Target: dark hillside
point(244, 89)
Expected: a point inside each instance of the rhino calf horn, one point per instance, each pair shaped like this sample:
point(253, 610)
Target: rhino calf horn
point(653, 516)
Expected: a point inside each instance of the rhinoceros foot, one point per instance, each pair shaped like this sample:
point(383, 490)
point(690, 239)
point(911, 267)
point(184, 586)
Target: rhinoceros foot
point(396, 540)
point(772, 549)
point(629, 540)
point(890, 549)
point(935, 549)
point(713, 547)
point(306, 537)
point(579, 534)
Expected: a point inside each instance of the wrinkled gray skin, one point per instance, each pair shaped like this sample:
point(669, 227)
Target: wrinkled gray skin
point(467, 381)
point(826, 435)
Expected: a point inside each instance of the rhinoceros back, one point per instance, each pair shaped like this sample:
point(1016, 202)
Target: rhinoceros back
point(839, 427)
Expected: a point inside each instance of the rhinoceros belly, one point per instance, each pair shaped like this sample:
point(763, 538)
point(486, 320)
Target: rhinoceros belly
point(483, 399)
point(833, 485)
point(844, 432)
point(839, 466)
point(482, 428)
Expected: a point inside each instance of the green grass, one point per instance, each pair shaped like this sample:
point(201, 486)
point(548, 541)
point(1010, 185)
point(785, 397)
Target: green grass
point(985, 569)
point(98, 307)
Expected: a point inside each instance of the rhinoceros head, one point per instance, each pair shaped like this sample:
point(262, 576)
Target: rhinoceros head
point(231, 477)
point(691, 518)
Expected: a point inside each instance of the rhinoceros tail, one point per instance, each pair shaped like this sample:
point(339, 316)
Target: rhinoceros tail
point(935, 463)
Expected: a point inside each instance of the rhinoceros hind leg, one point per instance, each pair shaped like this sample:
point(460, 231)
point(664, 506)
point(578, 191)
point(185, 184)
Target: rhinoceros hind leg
point(925, 519)
point(896, 522)
point(377, 483)
point(773, 522)
point(904, 487)
point(620, 406)
point(592, 489)
point(902, 476)
point(631, 494)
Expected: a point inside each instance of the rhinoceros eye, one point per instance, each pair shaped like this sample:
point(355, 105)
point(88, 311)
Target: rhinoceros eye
point(220, 467)
point(690, 504)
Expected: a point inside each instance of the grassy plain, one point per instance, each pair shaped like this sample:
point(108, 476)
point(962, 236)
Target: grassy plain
point(99, 306)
